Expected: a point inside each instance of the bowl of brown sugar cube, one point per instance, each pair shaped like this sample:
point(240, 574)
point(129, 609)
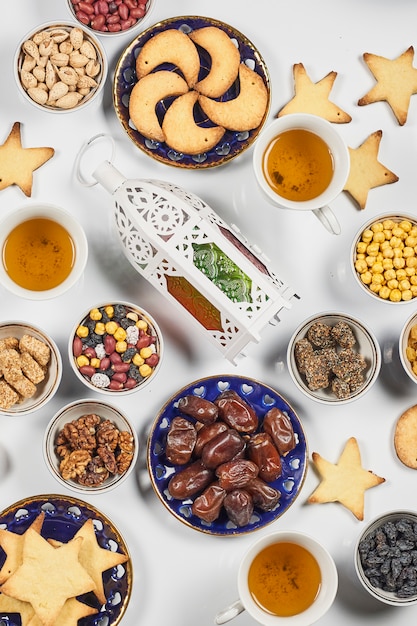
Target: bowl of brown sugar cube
point(333, 358)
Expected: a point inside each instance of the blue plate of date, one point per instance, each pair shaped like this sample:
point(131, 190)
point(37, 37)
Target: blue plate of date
point(232, 143)
point(261, 398)
point(64, 516)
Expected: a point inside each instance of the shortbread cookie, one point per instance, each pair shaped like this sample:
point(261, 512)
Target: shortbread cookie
point(366, 172)
point(396, 82)
point(181, 131)
point(313, 98)
point(17, 164)
point(144, 97)
point(225, 60)
point(405, 437)
point(346, 481)
point(246, 111)
point(170, 46)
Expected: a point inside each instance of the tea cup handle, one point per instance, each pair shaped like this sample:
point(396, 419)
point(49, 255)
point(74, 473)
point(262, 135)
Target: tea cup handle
point(328, 219)
point(229, 613)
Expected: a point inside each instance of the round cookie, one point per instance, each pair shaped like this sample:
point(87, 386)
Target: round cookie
point(225, 60)
point(170, 46)
point(181, 131)
point(144, 97)
point(405, 437)
point(244, 112)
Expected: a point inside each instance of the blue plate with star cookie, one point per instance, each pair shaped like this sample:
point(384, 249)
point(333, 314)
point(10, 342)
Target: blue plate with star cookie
point(261, 399)
point(233, 142)
point(58, 519)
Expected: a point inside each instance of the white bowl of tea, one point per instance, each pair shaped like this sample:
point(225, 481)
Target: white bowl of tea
point(44, 251)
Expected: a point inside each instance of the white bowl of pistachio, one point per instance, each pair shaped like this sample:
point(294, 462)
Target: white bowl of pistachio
point(60, 67)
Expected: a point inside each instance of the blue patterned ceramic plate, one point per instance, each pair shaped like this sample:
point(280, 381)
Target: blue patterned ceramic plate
point(261, 398)
point(232, 143)
point(63, 518)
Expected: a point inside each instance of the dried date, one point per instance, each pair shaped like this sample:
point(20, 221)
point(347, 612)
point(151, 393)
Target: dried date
point(264, 496)
point(278, 425)
point(206, 434)
point(236, 412)
point(208, 505)
point(239, 507)
point(181, 440)
point(200, 409)
point(224, 447)
point(190, 480)
point(236, 474)
point(262, 451)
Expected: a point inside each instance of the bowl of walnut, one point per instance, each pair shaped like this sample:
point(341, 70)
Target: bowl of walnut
point(60, 67)
point(333, 358)
point(90, 447)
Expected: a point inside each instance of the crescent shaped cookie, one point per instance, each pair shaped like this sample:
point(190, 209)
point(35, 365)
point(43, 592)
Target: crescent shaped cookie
point(181, 131)
point(225, 60)
point(170, 46)
point(144, 97)
point(244, 112)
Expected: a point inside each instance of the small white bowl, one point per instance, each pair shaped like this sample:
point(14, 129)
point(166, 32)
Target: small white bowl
point(87, 343)
point(26, 81)
point(46, 389)
point(87, 20)
point(70, 413)
point(405, 356)
point(406, 295)
point(74, 229)
point(366, 345)
point(365, 540)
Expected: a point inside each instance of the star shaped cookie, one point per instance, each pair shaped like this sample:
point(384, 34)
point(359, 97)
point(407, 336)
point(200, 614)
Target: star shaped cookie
point(346, 481)
point(314, 97)
point(17, 164)
point(366, 172)
point(48, 576)
point(396, 82)
point(12, 544)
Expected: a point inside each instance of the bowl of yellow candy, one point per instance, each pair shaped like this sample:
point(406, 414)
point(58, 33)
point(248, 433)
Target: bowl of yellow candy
point(384, 258)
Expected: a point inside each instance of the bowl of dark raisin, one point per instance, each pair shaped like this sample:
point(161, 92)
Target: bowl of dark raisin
point(115, 348)
point(333, 358)
point(227, 455)
point(385, 558)
point(90, 447)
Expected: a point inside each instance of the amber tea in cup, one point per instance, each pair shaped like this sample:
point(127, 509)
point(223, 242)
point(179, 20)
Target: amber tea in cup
point(43, 249)
point(301, 162)
point(284, 579)
point(298, 165)
point(38, 254)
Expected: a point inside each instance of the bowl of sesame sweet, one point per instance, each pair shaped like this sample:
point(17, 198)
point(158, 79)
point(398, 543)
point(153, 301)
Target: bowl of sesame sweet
point(115, 348)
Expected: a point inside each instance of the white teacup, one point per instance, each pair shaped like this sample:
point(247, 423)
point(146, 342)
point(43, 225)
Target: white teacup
point(328, 582)
point(339, 154)
point(77, 238)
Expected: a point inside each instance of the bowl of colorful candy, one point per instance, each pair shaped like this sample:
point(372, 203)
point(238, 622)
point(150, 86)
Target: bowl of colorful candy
point(115, 348)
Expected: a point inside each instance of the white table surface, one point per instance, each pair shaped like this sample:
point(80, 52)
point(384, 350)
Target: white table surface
point(182, 577)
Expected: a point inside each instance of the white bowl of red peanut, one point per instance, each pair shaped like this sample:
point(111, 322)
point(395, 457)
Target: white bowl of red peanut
point(111, 17)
